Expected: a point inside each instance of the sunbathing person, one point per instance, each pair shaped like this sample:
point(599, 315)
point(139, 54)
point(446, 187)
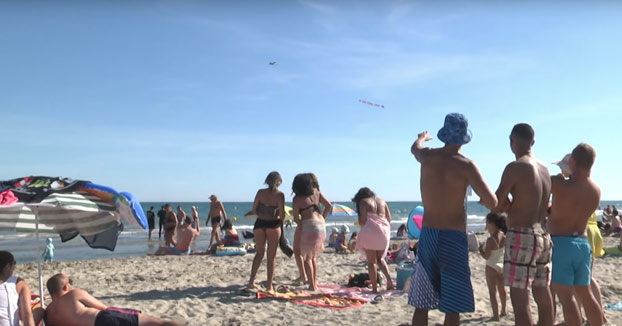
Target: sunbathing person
point(76, 307)
point(185, 235)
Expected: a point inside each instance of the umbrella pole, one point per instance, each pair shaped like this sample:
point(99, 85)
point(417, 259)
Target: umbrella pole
point(39, 258)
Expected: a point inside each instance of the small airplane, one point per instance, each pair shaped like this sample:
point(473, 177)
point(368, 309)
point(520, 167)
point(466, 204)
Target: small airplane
point(272, 63)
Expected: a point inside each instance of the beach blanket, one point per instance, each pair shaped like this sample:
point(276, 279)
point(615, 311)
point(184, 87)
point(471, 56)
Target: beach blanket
point(313, 299)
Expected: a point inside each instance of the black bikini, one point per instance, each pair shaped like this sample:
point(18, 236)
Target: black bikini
point(316, 208)
point(267, 224)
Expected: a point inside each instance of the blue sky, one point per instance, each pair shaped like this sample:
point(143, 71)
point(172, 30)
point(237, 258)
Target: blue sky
point(175, 100)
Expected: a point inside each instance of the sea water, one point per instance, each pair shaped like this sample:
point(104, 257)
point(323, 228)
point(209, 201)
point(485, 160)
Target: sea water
point(133, 242)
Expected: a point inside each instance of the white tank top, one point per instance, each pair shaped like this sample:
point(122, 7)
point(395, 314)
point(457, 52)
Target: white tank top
point(9, 314)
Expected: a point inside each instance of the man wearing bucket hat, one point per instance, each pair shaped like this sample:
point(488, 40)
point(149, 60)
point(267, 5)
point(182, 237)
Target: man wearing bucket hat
point(442, 277)
point(527, 260)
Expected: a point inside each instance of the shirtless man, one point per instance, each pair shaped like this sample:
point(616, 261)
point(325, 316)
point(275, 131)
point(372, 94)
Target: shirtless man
point(75, 307)
point(574, 200)
point(170, 224)
point(185, 235)
point(442, 277)
point(181, 215)
point(527, 246)
point(216, 211)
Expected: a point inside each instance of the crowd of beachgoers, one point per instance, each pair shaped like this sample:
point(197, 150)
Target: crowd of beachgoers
point(543, 236)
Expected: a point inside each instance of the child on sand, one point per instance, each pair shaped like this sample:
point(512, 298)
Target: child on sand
point(352, 242)
point(493, 252)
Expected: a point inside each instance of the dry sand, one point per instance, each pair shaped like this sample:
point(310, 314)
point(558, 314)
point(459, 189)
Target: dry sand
point(204, 290)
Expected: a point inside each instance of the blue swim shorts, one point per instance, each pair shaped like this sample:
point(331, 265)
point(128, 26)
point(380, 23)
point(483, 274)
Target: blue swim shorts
point(442, 277)
point(572, 261)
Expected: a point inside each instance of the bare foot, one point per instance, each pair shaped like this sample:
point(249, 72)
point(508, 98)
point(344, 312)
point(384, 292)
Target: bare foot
point(503, 314)
point(390, 286)
point(494, 318)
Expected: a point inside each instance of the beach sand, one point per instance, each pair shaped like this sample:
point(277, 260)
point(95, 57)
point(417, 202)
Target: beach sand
point(204, 290)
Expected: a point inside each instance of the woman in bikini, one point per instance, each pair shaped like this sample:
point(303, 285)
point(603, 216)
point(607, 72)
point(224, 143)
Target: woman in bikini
point(311, 230)
point(269, 205)
point(373, 240)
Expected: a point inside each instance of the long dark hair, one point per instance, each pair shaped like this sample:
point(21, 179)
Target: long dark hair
point(304, 183)
point(498, 221)
point(360, 195)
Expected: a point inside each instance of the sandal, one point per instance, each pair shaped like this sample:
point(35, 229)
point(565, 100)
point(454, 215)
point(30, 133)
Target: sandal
point(282, 289)
point(377, 299)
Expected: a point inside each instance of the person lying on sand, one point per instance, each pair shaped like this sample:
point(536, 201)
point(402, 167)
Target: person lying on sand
point(78, 308)
point(185, 235)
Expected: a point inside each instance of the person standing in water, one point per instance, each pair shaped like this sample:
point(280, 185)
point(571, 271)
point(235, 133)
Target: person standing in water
point(151, 221)
point(442, 277)
point(269, 206)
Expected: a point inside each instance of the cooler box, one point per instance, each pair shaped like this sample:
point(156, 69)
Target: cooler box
point(403, 274)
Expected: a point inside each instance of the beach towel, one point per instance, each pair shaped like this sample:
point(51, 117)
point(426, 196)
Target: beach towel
point(322, 300)
point(613, 251)
point(375, 234)
point(312, 237)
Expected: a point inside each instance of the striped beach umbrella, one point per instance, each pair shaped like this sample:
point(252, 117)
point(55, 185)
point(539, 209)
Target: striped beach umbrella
point(68, 208)
point(342, 210)
point(65, 214)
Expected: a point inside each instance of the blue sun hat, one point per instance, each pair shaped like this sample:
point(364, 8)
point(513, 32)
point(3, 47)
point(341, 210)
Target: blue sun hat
point(455, 131)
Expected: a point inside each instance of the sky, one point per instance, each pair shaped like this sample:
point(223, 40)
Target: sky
point(176, 100)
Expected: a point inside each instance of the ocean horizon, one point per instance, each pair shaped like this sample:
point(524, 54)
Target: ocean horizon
point(134, 242)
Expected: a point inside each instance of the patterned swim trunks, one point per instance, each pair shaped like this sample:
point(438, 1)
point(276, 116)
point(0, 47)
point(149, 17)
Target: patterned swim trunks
point(527, 258)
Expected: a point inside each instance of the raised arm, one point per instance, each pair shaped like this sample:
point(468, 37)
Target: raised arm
point(327, 205)
point(24, 302)
point(487, 198)
point(417, 148)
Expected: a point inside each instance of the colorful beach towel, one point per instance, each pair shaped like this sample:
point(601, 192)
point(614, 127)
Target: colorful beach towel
point(316, 300)
point(312, 237)
point(375, 234)
point(364, 294)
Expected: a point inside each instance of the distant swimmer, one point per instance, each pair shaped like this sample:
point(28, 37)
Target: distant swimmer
point(272, 63)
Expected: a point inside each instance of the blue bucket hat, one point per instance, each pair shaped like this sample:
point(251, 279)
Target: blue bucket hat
point(455, 131)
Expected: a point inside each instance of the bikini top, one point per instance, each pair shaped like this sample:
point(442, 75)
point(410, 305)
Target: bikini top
point(316, 208)
point(266, 209)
